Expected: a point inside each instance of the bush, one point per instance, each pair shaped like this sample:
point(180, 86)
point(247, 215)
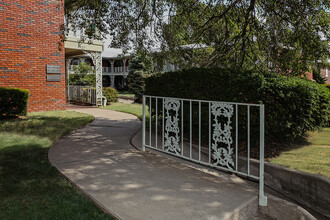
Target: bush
point(318, 77)
point(139, 69)
point(293, 106)
point(111, 94)
point(13, 101)
point(136, 83)
point(328, 86)
point(82, 80)
point(84, 75)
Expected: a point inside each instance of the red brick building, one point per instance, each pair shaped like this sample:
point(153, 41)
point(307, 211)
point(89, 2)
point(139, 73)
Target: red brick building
point(29, 42)
point(326, 75)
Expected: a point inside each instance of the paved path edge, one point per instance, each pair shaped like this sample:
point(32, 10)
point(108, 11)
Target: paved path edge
point(83, 192)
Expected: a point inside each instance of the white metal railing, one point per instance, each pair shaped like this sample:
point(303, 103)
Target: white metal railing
point(216, 134)
point(84, 94)
point(119, 69)
point(106, 69)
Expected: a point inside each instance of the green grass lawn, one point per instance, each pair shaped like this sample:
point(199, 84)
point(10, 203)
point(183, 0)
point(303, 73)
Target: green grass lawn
point(312, 158)
point(134, 109)
point(30, 188)
point(126, 93)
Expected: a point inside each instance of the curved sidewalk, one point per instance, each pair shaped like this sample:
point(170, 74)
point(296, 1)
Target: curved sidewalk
point(131, 184)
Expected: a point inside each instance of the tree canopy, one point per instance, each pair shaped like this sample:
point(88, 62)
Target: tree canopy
point(287, 36)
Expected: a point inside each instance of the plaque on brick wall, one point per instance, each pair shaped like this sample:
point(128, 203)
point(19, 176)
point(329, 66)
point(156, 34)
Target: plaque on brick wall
point(53, 78)
point(53, 69)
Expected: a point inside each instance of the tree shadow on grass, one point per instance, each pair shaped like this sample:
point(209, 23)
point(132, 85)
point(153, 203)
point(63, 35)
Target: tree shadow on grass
point(30, 188)
point(44, 126)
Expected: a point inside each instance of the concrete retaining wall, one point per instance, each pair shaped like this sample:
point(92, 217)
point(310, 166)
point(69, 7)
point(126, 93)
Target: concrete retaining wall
point(310, 190)
point(280, 209)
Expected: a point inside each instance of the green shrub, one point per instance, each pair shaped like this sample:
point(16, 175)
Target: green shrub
point(328, 86)
point(13, 101)
point(82, 80)
point(111, 94)
point(84, 75)
point(318, 77)
point(139, 68)
point(136, 83)
point(293, 106)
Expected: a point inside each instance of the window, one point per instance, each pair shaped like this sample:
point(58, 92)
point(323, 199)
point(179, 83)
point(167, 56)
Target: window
point(75, 62)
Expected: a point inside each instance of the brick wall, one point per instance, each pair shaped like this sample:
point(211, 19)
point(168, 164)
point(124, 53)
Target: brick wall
point(29, 40)
point(326, 76)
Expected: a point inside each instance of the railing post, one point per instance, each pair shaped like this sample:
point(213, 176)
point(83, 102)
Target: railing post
point(143, 123)
point(262, 197)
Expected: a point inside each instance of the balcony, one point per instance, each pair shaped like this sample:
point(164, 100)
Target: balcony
point(106, 69)
point(119, 69)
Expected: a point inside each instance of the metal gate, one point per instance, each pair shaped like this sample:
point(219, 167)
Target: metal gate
point(83, 94)
point(222, 135)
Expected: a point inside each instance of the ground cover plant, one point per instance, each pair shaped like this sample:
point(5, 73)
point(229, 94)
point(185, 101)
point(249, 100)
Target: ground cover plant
point(30, 188)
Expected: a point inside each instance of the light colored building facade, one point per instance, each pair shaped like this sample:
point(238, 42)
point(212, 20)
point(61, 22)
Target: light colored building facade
point(92, 49)
point(115, 67)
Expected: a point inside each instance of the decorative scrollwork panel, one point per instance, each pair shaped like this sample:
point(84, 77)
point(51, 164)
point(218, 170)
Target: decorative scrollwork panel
point(222, 140)
point(172, 130)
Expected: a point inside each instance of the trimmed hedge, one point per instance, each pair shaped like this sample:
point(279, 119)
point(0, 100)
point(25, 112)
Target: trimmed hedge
point(111, 94)
point(13, 101)
point(293, 106)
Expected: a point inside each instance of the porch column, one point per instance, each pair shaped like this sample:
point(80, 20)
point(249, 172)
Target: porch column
point(112, 84)
point(97, 60)
point(67, 72)
point(124, 80)
point(124, 70)
point(112, 62)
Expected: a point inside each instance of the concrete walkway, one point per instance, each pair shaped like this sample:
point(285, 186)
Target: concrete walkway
point(131, 184)
point(126, 101)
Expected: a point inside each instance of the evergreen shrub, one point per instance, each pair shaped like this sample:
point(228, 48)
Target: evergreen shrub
point(13, 102)
point(293, 106)
point(111, 94)
point(140, 68)
point(136, 83)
